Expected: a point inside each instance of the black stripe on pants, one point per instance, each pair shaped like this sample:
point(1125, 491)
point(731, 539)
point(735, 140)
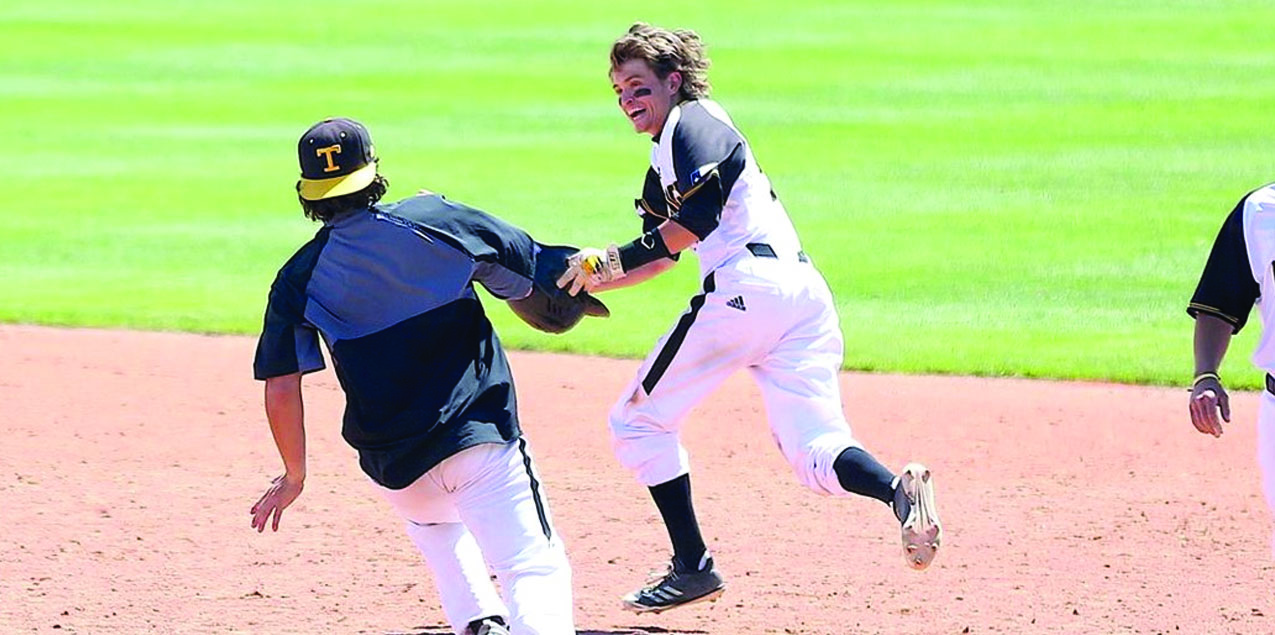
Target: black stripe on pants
point(676, 338)
point(535, 489)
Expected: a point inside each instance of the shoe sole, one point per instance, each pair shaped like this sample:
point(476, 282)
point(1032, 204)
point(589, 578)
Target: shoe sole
point(711, 596)
point(922, 533)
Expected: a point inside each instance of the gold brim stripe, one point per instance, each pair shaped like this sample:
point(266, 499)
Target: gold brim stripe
point(318, 189)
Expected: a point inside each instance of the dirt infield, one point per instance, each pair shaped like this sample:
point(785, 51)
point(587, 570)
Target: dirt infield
point(128, 462)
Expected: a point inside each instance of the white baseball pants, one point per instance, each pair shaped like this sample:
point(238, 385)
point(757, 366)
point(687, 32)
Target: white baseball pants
point(1266, 451)
point(487, 502)
point(777, 319)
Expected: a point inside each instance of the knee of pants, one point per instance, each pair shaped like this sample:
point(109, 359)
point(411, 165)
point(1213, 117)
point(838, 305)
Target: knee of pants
point(545, 559)
point(648, 448)
point(813, 462)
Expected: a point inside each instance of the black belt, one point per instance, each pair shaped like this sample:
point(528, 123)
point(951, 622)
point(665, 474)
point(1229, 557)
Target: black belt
point(1270, 384)
point(762, 250)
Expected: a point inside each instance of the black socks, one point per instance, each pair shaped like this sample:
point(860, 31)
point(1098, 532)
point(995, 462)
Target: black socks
point(860, 473)
point(857, 472)
point(674, 502)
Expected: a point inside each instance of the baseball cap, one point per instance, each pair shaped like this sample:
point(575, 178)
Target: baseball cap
point(336, 159)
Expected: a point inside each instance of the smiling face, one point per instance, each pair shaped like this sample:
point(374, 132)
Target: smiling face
point(643, 97)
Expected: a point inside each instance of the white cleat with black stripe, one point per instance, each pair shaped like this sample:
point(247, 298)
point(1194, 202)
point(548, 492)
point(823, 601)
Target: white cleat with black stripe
point(677, 588)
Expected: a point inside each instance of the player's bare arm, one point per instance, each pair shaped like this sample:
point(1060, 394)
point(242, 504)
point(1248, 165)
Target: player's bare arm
point(1223, 299)
point(637, 276)
point(286, 414)
point(1208, 398)
point(618, 266)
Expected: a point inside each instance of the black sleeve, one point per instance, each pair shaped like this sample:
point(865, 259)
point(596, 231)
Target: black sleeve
point(652, 202)
point(1227, 289)
point(288, 343)
point(708, 157)
point(651, 207)
point(650, 222)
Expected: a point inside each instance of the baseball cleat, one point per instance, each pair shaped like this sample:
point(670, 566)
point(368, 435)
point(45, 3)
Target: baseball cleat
point(676, 588)
point(915, 507)
point(487, 626)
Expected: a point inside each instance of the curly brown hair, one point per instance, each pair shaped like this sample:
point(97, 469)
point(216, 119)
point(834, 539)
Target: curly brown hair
point(666, 51)
point(326, 209)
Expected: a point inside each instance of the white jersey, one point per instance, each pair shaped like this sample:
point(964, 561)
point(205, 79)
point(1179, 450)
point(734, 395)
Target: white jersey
point(704, 176)
point(1241, 272)
point(762, 307)
point(1259, 234)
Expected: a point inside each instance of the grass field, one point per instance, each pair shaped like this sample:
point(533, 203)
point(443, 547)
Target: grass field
point(1023, 188)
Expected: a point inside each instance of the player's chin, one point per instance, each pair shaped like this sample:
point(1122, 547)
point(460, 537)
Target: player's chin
point(641, 122)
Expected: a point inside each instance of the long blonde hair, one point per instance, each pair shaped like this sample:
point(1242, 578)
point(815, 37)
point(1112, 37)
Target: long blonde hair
point(666, 51)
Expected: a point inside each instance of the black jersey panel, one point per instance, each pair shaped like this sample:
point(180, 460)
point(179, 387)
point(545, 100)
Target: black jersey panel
point(1226, 288)
point(708, 157)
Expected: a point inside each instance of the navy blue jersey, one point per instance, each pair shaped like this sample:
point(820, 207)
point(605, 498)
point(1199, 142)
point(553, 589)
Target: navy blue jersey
point(391, 292)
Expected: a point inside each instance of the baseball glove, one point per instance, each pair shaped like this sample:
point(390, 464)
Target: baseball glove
point(549, 308)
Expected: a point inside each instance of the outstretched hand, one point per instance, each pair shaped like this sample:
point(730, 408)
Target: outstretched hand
point(589, 268)
point(1207, 399)
point(582, 270)
point(283, 491)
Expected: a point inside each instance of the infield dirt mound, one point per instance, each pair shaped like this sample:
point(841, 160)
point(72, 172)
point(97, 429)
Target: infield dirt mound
point(129, 462)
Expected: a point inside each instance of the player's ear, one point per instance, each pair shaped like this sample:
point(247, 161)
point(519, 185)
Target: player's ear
point(674, 81)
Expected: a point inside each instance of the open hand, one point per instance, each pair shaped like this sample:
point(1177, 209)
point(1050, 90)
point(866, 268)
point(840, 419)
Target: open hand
point(276, 499)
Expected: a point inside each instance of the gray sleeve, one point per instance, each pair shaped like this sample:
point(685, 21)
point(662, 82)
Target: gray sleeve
point(504, 255)
point(502, 282)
